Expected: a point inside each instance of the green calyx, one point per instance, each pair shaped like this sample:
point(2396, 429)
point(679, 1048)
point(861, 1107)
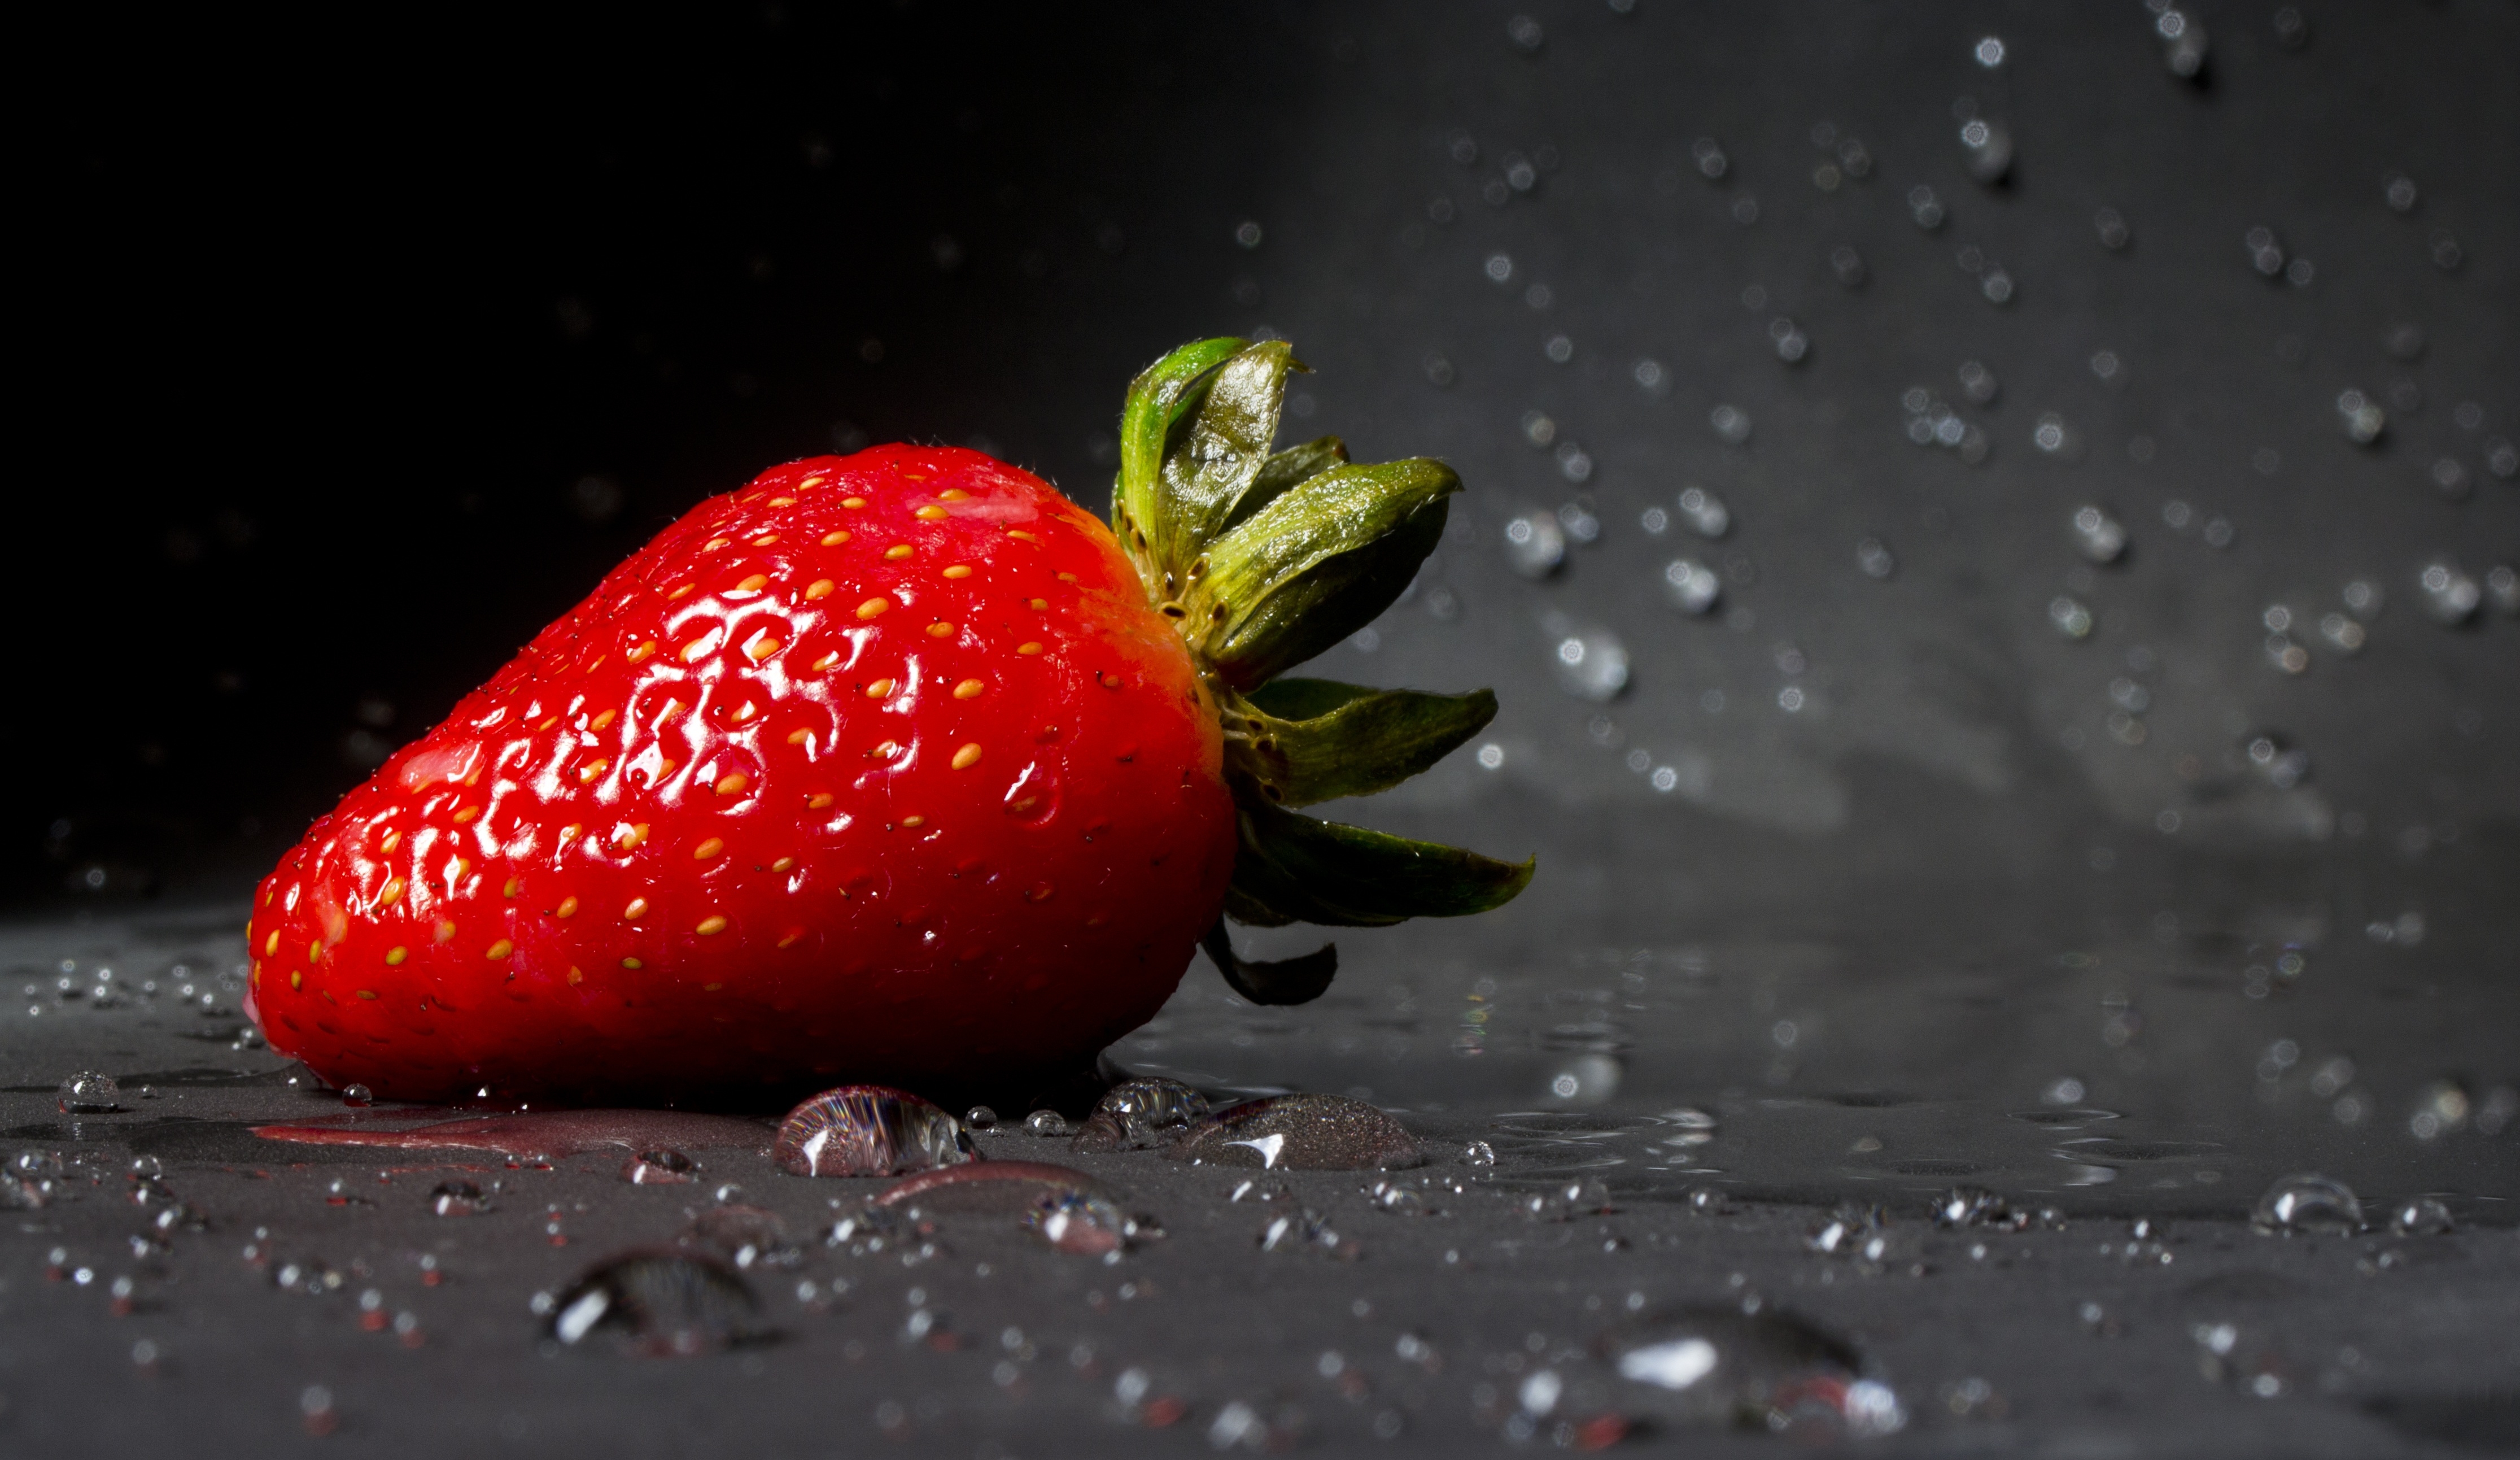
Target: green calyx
point(1263, 558)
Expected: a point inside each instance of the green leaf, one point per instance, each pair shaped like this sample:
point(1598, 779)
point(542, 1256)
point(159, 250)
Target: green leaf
point(1348, 877)
point(1289, 981)
point(1318, 564)
point(1160, 399)
point(1311, 739)
point(1293, 464)
point(1222, 445)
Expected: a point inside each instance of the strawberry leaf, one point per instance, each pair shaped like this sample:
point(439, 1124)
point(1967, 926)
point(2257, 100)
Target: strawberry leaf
point(1318, 564)
point(1322, 872)
point(1287, 980)
point(1303, 740)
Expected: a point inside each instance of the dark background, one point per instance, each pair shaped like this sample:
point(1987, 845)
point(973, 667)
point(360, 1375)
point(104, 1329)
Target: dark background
point(359, 356)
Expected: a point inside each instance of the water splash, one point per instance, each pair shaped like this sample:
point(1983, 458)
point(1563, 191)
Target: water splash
point(1300, 1132)
point(868, 1130)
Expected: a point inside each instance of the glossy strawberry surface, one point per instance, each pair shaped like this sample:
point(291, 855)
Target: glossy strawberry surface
point(880, 769)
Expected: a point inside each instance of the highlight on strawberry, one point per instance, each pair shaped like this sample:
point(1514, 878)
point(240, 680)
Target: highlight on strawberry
point(896, 767)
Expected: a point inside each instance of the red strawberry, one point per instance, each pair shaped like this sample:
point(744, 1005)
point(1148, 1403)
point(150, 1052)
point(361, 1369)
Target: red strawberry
point(892, 767)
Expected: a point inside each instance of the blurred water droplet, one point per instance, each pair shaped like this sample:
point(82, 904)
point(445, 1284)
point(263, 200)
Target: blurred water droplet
point(458, 1199)
point(868, 1130)
point(2361, 416)
point(2451, 596)
point(1535, 544)
point(88, 1093)
point(2502, 458)
point(2292, 31)
point(1590, 661)
point(1300, 1132)
point(1730, 422)
point(1792, 344)
point(1138, 1113)
point(2400, 191)
point(2502, 585)
point(1988, 145)
point(662, 1165)
point(658, 1303)
point(1526, 34)
point(2070, 618)
point(2421, 1217)
point(2182, 43)
point(2446, 251)
point(1716, 1366)
point(1847, 265)
point(1478, 1153)
point(1873, 557)
point(1691, 586)
point(1924, 209)
point(2111, 225)
point(2308, 1203)
point(1710, 159)
point(746, 1236)
point(2098, 536)
point(1989, 51)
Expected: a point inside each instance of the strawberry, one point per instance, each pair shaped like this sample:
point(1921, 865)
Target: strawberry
point(890, 767)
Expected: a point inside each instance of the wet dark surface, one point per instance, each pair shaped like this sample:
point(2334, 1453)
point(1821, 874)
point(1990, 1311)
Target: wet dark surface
point(1947, 852)
point(2107, 1294)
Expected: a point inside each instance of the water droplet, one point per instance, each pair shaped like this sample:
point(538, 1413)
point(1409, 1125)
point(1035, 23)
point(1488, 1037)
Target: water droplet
point(1989, 51)
point(1527, 37)
point(1925, 209)
point(1535, 544)
point(868, 1130)
point(357, 1095)
point(658, 1303)
point(1988, 145)
point(458, 1199)
point(1847, 265)
point(1565, 1200)
point(1792, 344)
point(1590, 661)
point(1709, 1201)
point(2070, 617)
point(1478, 1153)
point(662, 1165)
point(1730, 422)
point(1714, 1366)
point(2361, 417)
point(1873, 557)
point(746, 1236)
point(2182, 43)
point(1048, 1123)
point(2308, 1203)
point(88, 1093)
point(1136, 1115)
point(2421, 1217)
point(1710, 159)
point(1300, 1132)
point(1066, 1208)
point(1691, 586)
point(2502, 585)
point(2098, 536)
point(980, 1117)
point(2451, 596)
point(2111, 225)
